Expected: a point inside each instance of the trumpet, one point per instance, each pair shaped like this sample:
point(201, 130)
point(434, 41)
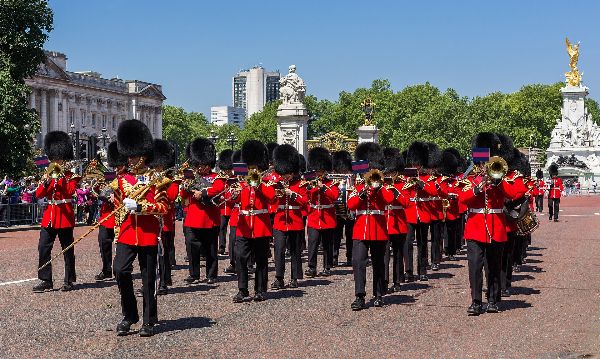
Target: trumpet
point(54, 170)
point(496, 168)
point(253, 178)
point(374, 178)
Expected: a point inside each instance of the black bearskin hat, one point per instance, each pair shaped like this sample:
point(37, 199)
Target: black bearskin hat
point(134, 139)
point(434, 155)
point(236, 156)
point(515, 159)
point(225, 161)
point(489, 140)
point(417, 154)
point(553, 170)
point(342, 161)
point(271, 146)
point(286, 160)
point(302, 162)
point(507, 149)
point(164, 154)
point(58, 146)
point(113, 157)
point(393, 159)
point(254, 154)
point(525, 167)
point(319, 159)
point(462, 163)
point(202, 152)
point(539, 173)
point(371, 152)
point(449, 163)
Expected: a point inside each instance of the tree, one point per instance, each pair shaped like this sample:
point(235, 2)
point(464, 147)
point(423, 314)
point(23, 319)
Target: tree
point(262, 125)
point(24, 27)
point(182, 127)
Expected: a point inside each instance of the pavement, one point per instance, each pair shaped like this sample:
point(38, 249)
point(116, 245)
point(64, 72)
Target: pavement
point(553, 313)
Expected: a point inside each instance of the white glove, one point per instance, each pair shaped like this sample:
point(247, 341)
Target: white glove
point(130, 204)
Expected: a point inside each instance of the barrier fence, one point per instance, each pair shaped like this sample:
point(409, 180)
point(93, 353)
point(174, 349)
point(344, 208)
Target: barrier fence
point(19, 214)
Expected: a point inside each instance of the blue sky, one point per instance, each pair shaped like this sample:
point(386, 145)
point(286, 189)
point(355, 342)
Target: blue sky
point(193, 48)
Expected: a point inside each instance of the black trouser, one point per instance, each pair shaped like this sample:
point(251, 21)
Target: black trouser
point(360, 253)
point(93, 208)
point(171, 253)
point(553, 207)
point(244, 249)
point(491, 254)
point(232, 235)
point(398, 245)
point(453, 236)
point(507, 260)
point(519, 250)
point(80, 211)
point(343, 229)
point(539, 203)
point(461, 230)
point(46, 242)
point(292, 241)
point(223, 232)
point(418, 231)
point(106, 236)
point(315, 237)
point(164, 261)
point(436, 241)
point(123, 268)
point(203, 241)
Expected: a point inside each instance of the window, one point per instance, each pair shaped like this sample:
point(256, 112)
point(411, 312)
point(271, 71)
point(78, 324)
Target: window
point(103, 121)
point(83, 119)
point(93, 120)
point(114, 122)
point(72, 117)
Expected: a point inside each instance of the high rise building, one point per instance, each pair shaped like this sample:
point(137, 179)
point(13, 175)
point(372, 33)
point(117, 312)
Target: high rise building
point(224, 115)
point(253, 88)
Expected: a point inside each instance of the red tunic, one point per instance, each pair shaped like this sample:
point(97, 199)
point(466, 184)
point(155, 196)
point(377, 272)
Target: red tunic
point(169, 217)
point(395, 216)
point(253, 218)
point(519, 187)
point(370, 223)
point(140, 229)
point(418, 208)
point(289, 209)
point(200, 215)
point(449, 190)
point(435, 201)
point(226, 207)
point(321, 205)
point(555, 187)
point(59, 192)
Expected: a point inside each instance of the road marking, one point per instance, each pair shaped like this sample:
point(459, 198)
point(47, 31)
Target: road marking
point(596, 214)
point(18, 281)
point(579, 215)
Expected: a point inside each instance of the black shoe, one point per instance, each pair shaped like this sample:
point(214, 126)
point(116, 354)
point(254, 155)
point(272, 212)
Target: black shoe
point(241, 296)
point(396, 288)
point(124, 327)
point(42, 286)
point(408, 278)
point(435, 267)
point(230, 270)
point(556, 220)
point(162, 291)
point(211, 281)
point(325, 273)
point(492, 308)
point(139, 293)
point(102, 276)
point(550, 218)
point(335, 263)
point(346, 264)
point(311, 273)
point(251, 270)
point(278, 284)
point(287, 253)
point(169, 282)
point(505, 293)
point(475, 309)
point(147, 330)
point(186, 259)
point(452, 258)
point(423, 278)
point(259, 297)
point(293, 283)
point(67, 287)
point(358, 304)
point(191, 280)
point(378, 302)
point(222, 251)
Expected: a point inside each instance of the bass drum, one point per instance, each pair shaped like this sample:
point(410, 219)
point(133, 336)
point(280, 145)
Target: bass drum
point(527, 224)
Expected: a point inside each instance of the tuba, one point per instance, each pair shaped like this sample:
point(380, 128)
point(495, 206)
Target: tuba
point(496, 168)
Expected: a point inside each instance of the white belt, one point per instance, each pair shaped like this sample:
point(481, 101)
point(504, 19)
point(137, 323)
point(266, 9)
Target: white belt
point(321, 206)
point(435, 198)
point(419, 199)
point(390, 207)
point(253, 212)
point(288, 207)
point(59, 201)
point(485, 210)
point(368, 212)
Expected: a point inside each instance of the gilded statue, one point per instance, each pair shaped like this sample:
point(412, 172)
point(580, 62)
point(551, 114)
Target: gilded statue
point(573, 76)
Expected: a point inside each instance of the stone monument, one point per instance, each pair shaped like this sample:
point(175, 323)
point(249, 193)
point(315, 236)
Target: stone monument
point(292, 115)
point(368, 132)
point(575, 141)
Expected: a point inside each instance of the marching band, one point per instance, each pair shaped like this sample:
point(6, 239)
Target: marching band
point(243, 202)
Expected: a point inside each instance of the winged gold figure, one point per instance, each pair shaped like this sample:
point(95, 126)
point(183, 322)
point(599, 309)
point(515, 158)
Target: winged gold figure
point(573, 76)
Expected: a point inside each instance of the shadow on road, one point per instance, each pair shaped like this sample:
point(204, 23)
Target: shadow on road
point(166, 326)
point(190, 288)
point(287, 293)
point(314, 282)
point(510, 304)
point(399, 299)
point(439, 275)
point(518, 277)
point(95, 285)
point(450, 265)
point(524, 291)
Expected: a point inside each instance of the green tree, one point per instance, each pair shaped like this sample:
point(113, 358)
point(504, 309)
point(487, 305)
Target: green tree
point(262, 125)
point(182, 127)
point(24, 27)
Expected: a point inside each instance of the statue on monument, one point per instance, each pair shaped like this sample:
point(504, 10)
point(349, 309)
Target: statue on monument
point(573, 76)
point(292, 88)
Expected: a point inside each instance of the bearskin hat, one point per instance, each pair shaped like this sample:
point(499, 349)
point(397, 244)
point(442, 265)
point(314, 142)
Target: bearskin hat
point(449, 163)
point(525, 167)
point(371, 152)
point(225, 161)
point(163, 154)
point(539, 174)
point(507, 149)
point(417, 154)
point(58, 146)
point(488, 140)
point(553, 169)
point(393, 159)
point(271, 146)
point(113, 157)
point(286, 160)
point(462, 163)
point(319, 159)
point(515, 159)
point(236, 156)
point(342, 161)
point(202, 152)
point(254, 154)
point(302, 162)
point(434, 155)
point(134, 139)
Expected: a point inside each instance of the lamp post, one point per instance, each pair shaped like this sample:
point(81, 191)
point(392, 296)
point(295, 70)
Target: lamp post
point(213, 137)
point(103, 136)
point(76, 145)
point(232, 140)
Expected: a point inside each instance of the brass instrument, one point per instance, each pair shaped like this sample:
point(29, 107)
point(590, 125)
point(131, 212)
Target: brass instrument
point(445, 206)
point(54, 170)
point(373, 177)
point(253, 178)
point(496, 168)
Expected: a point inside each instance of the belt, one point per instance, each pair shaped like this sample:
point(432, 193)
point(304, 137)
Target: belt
point(321, 206)
point(369, 212)
point(419, 199)
point(435, 198)
point(390, 207)
point(253, 212)
point(288, 207)
point(60, 201)
point(485, 210)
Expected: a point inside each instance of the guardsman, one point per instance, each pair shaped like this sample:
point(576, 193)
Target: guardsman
point(450, 189)
point(322, 194)
point(435, 206)
point(342, 165)
point(236, 157)
point(225, 166)
point(287, 223)
point(540, 186)
point(58, 187)
point(555, 188)
point(144, 202)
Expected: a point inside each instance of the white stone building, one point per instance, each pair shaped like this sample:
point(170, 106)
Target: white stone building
point(252, 89)
point(224, 115)
point(86, 103)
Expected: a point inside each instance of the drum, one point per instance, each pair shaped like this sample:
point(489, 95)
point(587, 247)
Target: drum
point(527, 224)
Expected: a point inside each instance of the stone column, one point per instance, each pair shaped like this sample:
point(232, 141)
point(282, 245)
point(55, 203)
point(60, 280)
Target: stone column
point(44, 113)
point(133, 114)
point(65, 124)
point(159, 123)
point(368, 134)
point(292, 126)
point(32, 99)
point(54, 120)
